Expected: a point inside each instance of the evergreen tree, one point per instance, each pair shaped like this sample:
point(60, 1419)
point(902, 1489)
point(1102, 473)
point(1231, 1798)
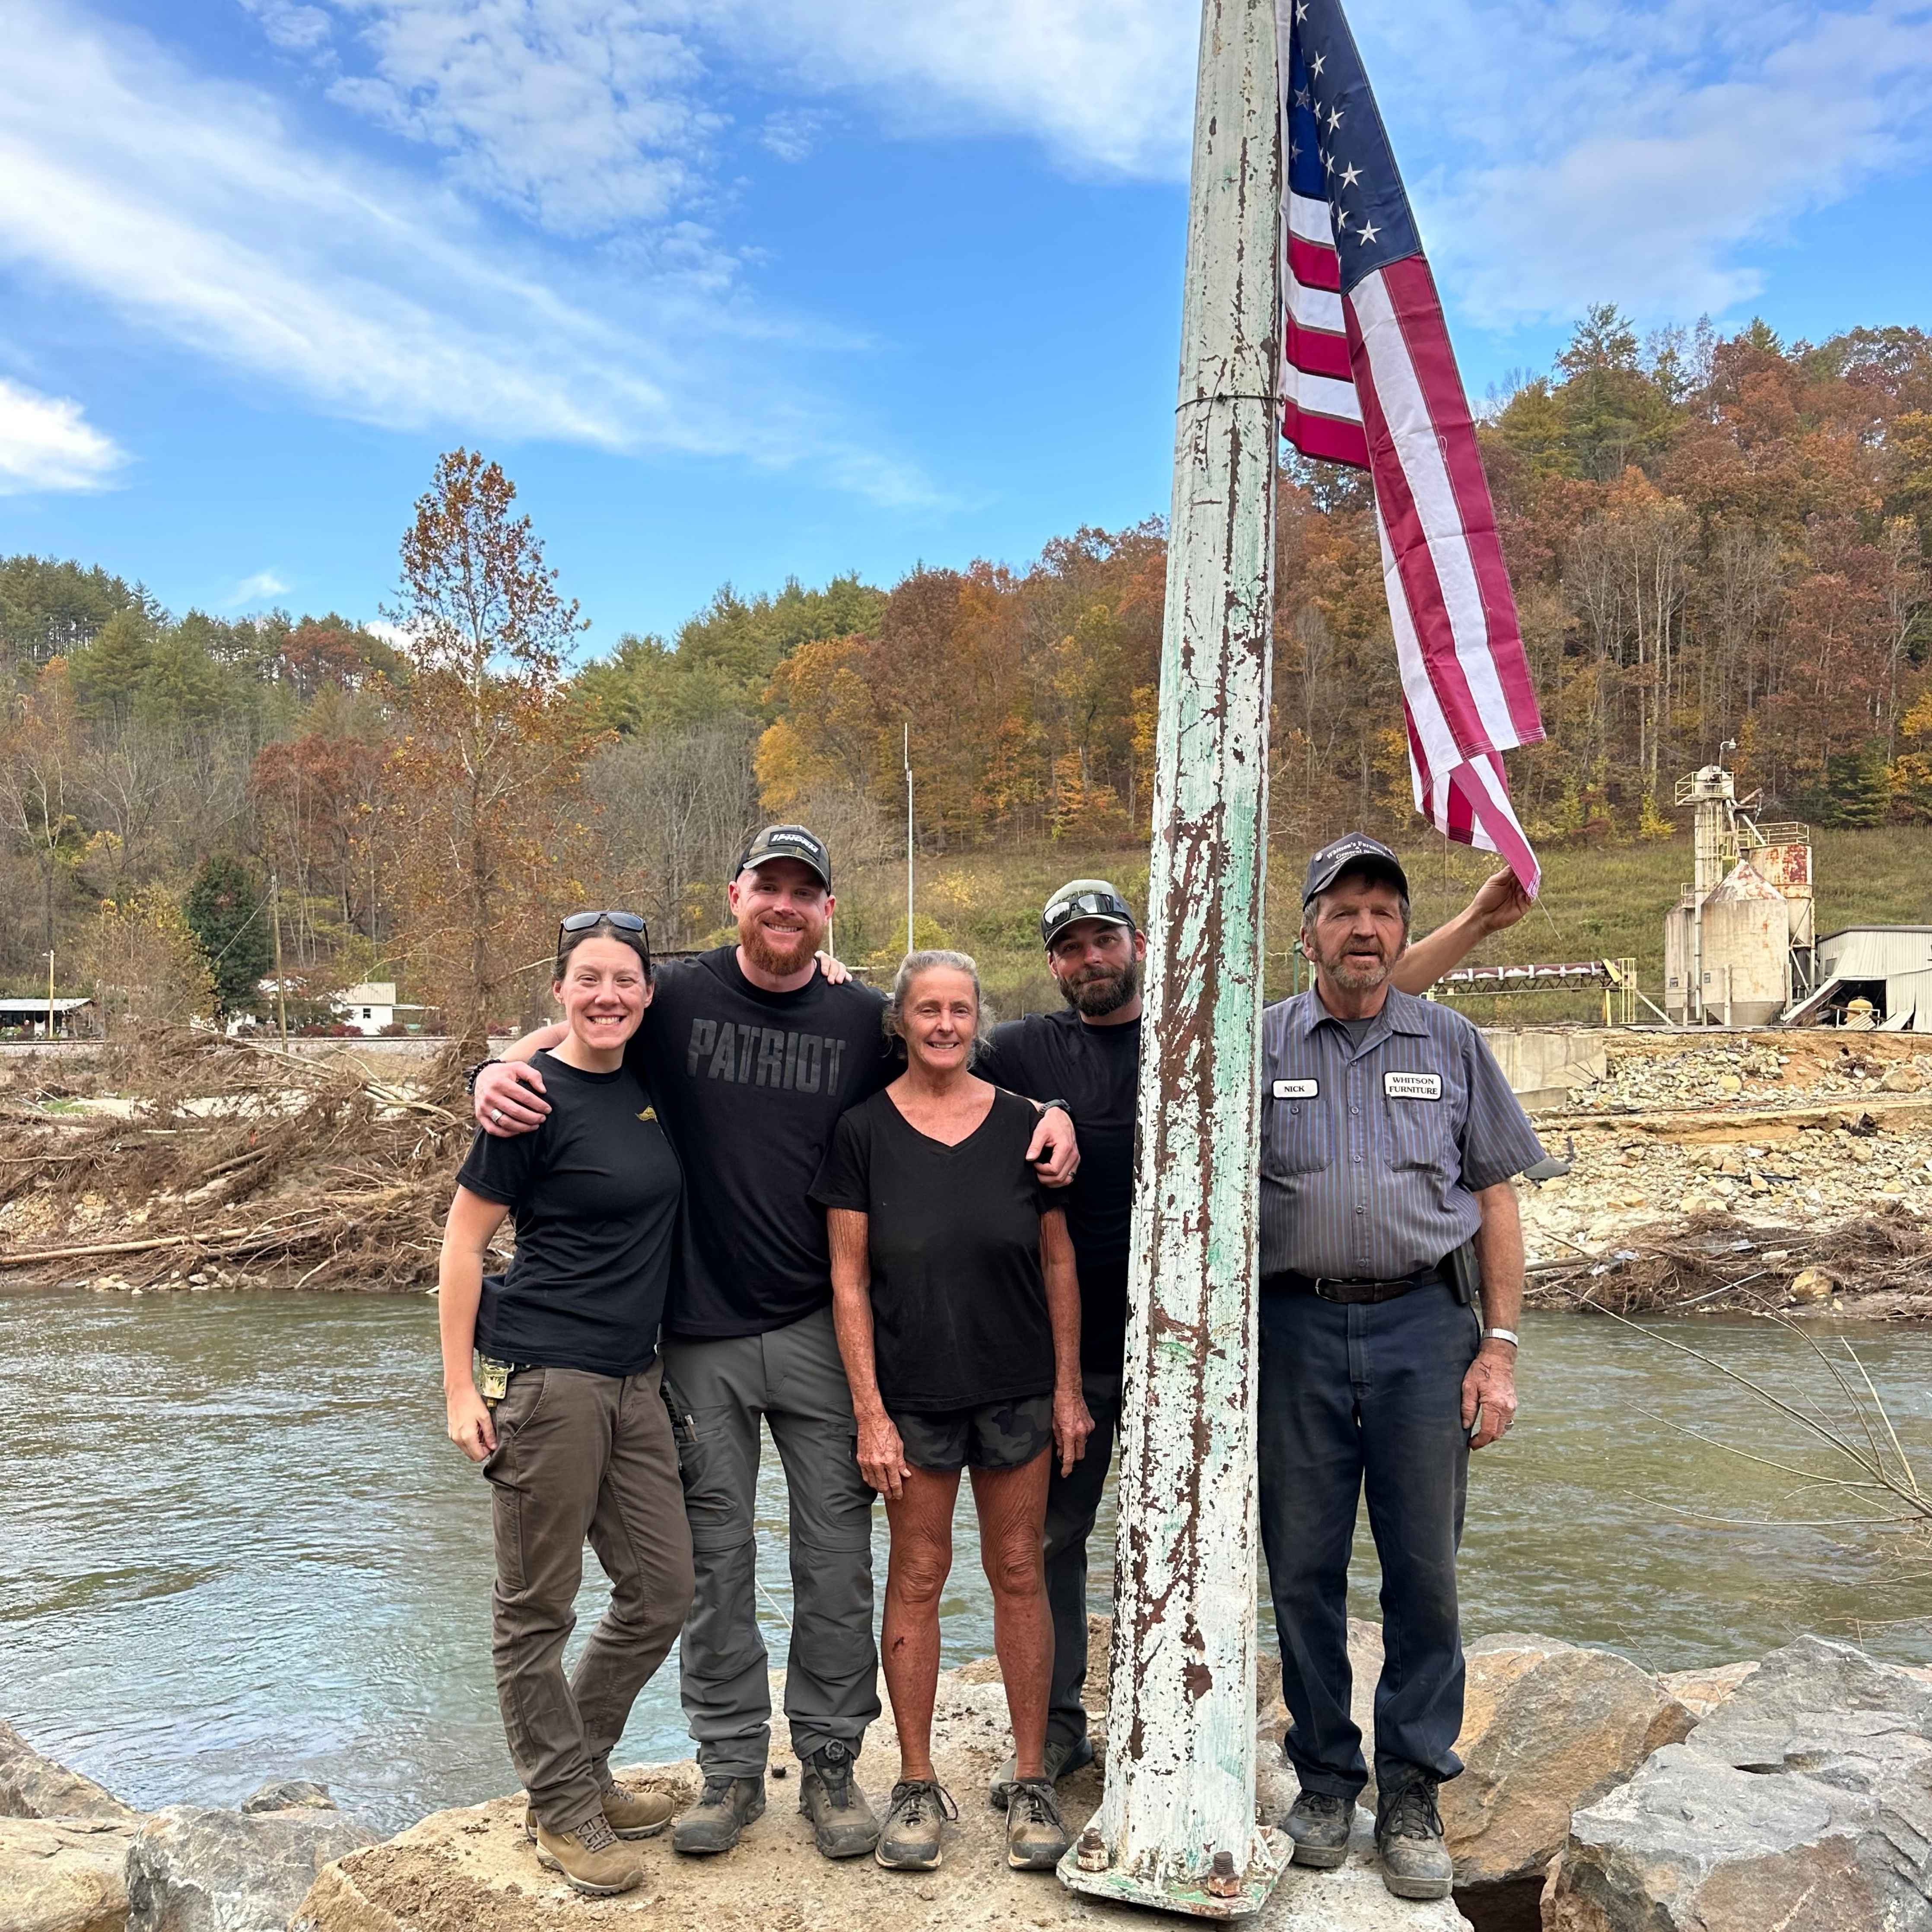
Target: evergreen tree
point(227, 914)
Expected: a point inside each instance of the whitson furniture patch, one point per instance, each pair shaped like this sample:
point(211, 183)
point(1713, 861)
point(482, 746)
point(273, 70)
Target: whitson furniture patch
point(1412, 1086)
point(1297, 1090)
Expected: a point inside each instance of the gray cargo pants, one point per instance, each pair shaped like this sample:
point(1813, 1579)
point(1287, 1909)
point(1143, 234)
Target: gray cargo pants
point(793, 1380)
point(581, 1455)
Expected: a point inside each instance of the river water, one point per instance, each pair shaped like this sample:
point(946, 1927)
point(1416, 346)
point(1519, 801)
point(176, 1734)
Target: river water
point(236, 1544)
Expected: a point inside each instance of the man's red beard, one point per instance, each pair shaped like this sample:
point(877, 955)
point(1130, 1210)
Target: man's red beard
point(758, 942)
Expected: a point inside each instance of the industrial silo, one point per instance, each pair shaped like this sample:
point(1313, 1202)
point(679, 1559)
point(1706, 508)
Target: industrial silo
point(1745, 942)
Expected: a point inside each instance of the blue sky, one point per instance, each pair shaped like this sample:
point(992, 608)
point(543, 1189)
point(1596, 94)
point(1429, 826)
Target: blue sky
point(739, 289)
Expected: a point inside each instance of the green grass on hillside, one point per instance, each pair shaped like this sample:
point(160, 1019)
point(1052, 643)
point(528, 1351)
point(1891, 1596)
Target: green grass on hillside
point(1606, 902)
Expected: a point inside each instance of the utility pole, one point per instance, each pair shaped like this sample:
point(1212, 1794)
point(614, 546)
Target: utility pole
point(50, 993)
point(281, 990)
point(906, 753)
point(1176, 1827)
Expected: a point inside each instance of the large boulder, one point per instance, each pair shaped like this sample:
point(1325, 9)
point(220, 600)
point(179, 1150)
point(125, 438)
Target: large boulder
point(33, 1787)
point(63, 1875)
point(1547, 1728)
point(1804, 1802)
point(191, 1868)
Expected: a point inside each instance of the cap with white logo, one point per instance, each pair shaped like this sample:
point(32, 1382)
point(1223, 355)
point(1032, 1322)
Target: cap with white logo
point(1355, 852)
point(787, 842)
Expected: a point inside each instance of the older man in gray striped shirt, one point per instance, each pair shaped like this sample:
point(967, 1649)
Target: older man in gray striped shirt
point(1390, 1142)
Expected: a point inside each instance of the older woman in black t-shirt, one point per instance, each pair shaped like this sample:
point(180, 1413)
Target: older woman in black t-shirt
point(959, 1318)
point(569, 1422)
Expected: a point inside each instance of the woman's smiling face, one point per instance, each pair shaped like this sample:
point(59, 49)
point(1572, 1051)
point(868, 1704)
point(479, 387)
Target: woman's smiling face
point(603, 991)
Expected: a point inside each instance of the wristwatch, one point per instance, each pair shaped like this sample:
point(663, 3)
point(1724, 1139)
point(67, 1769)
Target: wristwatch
point(1508, 1335)
point(469, 1073)
point(1048, 1106)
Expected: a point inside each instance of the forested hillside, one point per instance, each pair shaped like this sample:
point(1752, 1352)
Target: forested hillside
point(1714, 542)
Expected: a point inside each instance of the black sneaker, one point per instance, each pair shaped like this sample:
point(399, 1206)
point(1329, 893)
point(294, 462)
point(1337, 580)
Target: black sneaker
point(1416, 1863)
point(1319, 1823)
point(909, 1839)
point(843, 1826)
point(724, 1808)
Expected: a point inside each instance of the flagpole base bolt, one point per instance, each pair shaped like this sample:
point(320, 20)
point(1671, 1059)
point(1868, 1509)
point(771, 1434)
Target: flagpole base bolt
point(1227, 1891)
point(1091, 1854)
point(1223, 1881)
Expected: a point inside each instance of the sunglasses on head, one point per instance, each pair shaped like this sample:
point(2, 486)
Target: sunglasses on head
point(621, 922)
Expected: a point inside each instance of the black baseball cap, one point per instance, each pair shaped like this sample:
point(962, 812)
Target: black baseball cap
point(1083, 898)
point(788, 841)
point(1354, 852)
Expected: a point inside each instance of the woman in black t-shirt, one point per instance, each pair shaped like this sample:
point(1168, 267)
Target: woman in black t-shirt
point(563, 1405)
point(958, 1317)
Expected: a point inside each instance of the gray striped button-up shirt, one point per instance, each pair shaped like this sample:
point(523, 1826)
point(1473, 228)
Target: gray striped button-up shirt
point(1372, 1156)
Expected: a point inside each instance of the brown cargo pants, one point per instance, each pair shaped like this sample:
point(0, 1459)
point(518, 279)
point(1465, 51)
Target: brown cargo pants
point(580, 1455)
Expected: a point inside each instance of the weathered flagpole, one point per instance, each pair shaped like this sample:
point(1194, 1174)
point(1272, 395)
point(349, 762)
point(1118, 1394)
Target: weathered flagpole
point(1176, 1826)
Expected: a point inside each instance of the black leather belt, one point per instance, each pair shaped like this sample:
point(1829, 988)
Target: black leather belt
point(1352, 1293)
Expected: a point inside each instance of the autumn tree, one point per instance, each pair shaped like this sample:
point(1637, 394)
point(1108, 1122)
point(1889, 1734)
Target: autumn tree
point(482, 805)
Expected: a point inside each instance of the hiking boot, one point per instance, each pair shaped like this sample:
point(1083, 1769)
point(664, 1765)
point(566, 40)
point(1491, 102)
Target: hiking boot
point(724, 1808)
point(909, 1839)
point(1062, 1760)
point(842, 1823)
point(1036, 1837)
point(637, 1811)
point(1319, 1823)
point(631, 1811)
point(1408, 1834)
point(590, 1857)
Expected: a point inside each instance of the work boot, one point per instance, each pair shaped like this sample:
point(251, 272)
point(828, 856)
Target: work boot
point(909, 1839)
point(590, 1857)
point(1408, 1834)
point(637, 1811)
point(1319, 1823)
point(1036, 1837)
point(1062, 1760)
point(842, 1823)
point(724, 1808)
point(631, 1811)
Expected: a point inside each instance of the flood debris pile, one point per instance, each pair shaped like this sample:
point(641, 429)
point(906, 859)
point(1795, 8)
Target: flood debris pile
point(1791, 1170)
point(198, 1163)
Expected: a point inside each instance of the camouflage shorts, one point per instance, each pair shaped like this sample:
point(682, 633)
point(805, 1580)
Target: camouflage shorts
point(1000, 1436)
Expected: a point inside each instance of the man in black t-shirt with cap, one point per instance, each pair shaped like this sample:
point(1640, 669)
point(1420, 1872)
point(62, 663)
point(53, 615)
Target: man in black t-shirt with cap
point(1088, 1055)
point(750, 1055)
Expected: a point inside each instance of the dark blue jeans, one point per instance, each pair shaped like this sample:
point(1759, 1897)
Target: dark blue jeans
point(1355, 1399)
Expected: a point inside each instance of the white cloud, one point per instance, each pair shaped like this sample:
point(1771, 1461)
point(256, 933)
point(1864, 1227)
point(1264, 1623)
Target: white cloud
point(196, 210)
point(261, 588)
point(47, 443)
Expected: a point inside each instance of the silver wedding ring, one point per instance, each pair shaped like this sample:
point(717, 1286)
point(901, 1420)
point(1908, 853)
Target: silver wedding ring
point(497, 1115)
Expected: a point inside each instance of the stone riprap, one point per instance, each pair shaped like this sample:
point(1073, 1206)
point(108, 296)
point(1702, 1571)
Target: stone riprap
point(33, 1787)
point(193, 1868)
point(1804, 1802)
point(64, 1874)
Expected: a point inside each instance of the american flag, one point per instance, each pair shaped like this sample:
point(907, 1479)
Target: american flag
point(1369, 378)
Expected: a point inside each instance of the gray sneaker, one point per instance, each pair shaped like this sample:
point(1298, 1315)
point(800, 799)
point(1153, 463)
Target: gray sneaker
point(724, 1808)
point(1062, 1759)
point(1036, 1838)
point(909, 1839)
point(842, 1823)
point(1319, 1823)
point(1416, 1863)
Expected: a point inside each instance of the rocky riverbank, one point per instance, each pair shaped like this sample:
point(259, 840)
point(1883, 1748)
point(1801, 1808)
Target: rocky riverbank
point(1793, 1792)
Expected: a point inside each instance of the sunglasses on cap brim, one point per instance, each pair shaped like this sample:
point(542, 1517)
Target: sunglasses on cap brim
point(1086, 905)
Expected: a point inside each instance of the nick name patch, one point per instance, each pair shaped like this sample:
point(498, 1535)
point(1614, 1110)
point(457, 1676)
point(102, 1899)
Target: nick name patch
point(1297, 1090)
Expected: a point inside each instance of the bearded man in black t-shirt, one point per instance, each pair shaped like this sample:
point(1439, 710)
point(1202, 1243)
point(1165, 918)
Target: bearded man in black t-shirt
point(1089, 1054)
point(751, 1054)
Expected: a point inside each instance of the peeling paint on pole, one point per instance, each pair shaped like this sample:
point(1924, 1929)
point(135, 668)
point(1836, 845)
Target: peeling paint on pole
point(1180, 1728)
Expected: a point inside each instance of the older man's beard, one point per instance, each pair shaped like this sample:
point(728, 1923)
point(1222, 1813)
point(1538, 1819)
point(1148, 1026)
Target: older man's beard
point(1356, 972)
point(1106, 990)
point(760, 947)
